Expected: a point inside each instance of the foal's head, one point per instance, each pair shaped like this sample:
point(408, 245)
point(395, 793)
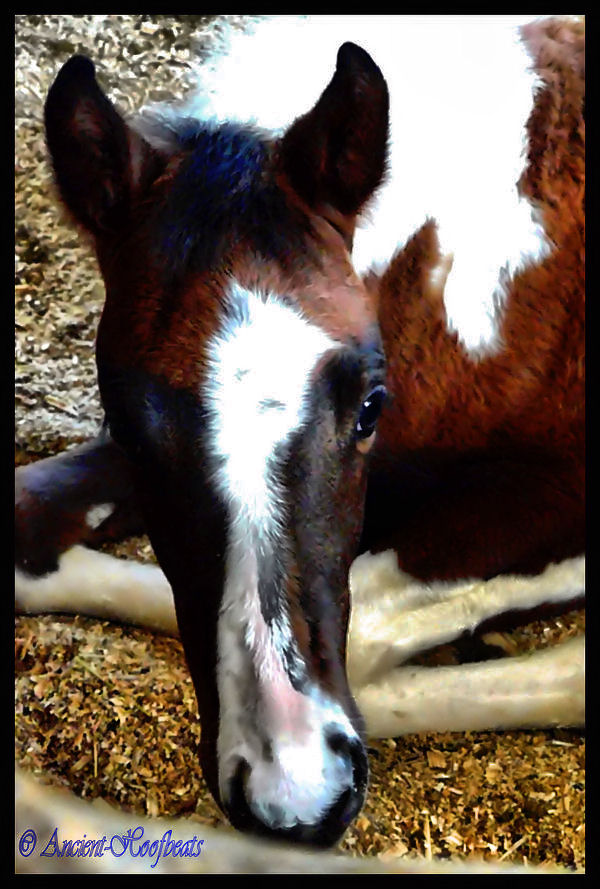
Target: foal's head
point(240, 366)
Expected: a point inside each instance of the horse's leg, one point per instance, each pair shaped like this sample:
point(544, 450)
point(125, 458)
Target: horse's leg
point(395, 617)
point(543, 688)
point(478, 520)
point(100, 585)
point(487, 526)
point(84, 495)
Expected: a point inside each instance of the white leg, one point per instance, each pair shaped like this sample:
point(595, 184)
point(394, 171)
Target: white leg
point(394, 616)
point(100, 585)
point(543, 688)
point(390, 622)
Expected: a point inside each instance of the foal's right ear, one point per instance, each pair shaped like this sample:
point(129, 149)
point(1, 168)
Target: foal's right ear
point(336, 154)
point(99, 162)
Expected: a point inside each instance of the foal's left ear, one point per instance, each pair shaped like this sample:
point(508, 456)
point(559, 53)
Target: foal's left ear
point(99, 162)
point(336, 154)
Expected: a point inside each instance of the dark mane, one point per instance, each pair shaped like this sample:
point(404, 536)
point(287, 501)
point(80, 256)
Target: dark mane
point(225, 195)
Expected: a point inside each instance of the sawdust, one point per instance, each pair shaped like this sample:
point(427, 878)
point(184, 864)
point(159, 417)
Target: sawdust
point(110, 711)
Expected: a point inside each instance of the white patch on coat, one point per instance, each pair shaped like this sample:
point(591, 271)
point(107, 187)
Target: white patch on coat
point(98, 514)
point(258, 379)
point(461, 91)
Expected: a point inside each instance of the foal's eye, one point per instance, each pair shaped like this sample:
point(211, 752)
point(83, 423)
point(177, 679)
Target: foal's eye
point(369, 412)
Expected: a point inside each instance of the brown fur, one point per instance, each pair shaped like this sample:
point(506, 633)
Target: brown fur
point(523, 405)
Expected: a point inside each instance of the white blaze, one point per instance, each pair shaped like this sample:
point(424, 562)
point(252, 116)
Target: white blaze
point(260, 363)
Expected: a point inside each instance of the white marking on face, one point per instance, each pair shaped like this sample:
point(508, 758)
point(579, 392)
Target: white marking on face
point(279, 731)
point(260, 363)
point(461, 91)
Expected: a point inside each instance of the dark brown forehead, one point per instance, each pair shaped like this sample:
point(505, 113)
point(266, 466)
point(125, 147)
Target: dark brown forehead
point(229, 204)
point(223, 197)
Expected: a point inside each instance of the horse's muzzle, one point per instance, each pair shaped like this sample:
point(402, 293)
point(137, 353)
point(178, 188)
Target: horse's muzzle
point(335, 820)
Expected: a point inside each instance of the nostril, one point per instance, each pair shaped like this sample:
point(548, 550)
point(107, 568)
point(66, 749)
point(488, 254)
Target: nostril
point(237, 807)
point(263, 814)
point(353, 750)
point(243, 818)
point(339, 742)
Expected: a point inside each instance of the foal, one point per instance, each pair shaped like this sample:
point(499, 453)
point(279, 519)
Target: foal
point(242, 372)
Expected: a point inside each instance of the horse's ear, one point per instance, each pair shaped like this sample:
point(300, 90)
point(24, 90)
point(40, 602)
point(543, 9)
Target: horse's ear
point(336, 154)
point(99, 162)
